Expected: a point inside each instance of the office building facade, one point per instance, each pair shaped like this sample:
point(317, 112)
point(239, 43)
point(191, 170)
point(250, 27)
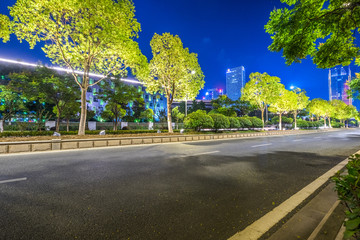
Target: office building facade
point(213, 93)
point(338, 78)
point(235, 81)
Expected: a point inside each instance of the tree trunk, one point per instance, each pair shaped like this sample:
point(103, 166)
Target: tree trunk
point(57, 127)
point(329, 122)
point(262, 119)
point(280, 125)
point(67, 124)
point(169, 115)
point(295, 126)
point(324, 121)
point(82, 123)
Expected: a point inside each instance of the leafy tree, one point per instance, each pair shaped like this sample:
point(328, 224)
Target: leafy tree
point(283, 103)
point(173, 71)
point(324, 30)
point(261, 90)
point(220, 121)
point(4, 28)
point(320, 108)
point(70, 112)
point(339, 110)
point(117, 96)
point(94, 36)
point(177, 116)
point(198, 120)
point(10, 102)
point(46, 85)
point(223, 105)
point(147, 115)
point(137, 107)
point(243, 108)
point(196, 106)
point(245, 122)
point(297, 101)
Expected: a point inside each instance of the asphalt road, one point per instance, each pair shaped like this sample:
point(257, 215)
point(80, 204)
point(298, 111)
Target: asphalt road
point(194, 190)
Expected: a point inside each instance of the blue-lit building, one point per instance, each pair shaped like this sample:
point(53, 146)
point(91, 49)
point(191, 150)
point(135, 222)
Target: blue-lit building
point(235, 81)
point(338, 78)
point(213, 93)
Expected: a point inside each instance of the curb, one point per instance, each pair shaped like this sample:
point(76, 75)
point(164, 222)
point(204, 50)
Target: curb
point(70, 144)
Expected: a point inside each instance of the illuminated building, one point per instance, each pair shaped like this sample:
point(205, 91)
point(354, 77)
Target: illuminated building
point(235, 81)
point(213, 93)
point(338, 78)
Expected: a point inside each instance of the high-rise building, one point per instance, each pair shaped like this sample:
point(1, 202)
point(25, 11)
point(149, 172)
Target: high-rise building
point(235, 81)
point(213, 93)
point(339, 77)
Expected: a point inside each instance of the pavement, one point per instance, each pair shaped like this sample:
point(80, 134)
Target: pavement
point(193, 190)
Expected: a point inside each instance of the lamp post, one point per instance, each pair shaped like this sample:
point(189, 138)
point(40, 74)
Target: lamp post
point(192, 73)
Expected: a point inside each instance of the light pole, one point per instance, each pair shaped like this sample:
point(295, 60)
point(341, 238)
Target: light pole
point(192, 73)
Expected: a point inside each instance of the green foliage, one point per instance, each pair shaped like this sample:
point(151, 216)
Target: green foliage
point(348, 190)
point(177, 115)
point(323, 30)
point(255, 122)
point(223, 105)
point(302, 123)
point(261, 90)
point(4, 28)
point(196, 106)
point(220, 121)
point(174, 71)
point(337, 124)
point(92, 36)
point(243, 108)
point(198, 120)
point(245, 122)
point(147, 115)
point(234, 122)
point(284, 120)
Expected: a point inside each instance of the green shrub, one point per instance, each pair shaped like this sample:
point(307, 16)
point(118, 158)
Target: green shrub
point(337, 124)
point(302, 123)
point(348, 190)
point(220, 121)
point(255, 122)
point(245, 122)
point(198, 120)
point(234, 122)
point(284, 120)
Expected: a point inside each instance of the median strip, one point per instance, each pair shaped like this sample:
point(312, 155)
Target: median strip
point(13, 180)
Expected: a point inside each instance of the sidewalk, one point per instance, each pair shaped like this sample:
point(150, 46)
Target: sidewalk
point(320, 219)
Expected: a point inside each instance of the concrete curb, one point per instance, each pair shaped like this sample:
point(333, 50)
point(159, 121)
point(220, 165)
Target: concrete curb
point(67, 144)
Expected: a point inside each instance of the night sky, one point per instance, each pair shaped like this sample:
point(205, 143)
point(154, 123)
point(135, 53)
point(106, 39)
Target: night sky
point(224, 33)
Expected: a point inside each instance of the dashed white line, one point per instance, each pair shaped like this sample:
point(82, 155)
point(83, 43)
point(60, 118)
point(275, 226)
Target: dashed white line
point(262, 145)
point(318, 137)
point(204, 153)
point(298, 140)
point(13, 180)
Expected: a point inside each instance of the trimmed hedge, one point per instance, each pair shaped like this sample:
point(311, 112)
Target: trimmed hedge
point(256, 122)
point(245, 122)
point(234, 122)
point(284, 120)
point(220, 121)
point(198, 120)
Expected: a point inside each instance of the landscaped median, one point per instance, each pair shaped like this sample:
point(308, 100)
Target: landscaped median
point(66, 144)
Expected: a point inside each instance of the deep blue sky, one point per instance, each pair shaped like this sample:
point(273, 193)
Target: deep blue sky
point(224, 33)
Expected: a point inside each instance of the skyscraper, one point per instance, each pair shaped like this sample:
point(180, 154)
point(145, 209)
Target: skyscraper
point(339, 77)
point(235, 81)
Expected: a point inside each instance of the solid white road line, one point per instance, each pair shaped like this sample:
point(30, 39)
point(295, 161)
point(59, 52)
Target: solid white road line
point(198, 154)
point(13, 180)
point(265, 223)
point(262, 145)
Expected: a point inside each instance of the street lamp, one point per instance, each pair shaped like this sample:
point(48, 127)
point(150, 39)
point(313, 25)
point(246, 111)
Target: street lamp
point(192, 73)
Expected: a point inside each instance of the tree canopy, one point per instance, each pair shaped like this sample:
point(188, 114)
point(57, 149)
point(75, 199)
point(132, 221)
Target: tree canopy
point(324, 30)
point(94, 36)
point(173, 71)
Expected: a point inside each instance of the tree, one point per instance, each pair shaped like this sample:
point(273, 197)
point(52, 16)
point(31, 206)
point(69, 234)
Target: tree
point(71, 111)
point(243, 108)
point(177, 116)
point(320, 108)
point(10, 102)
point(339, 110)
point(46, 85)
point(297, 101)
point(223, 105)
point(4, 28)
point(324, 30)
point(147, 115)
point(196, 106)
point(89, 36)
point(117, 96)
point(261, 90)
point(282, 103)
point(174, 71)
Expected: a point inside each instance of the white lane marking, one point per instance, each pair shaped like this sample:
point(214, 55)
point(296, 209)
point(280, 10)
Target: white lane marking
point(198, 154)
point(262, 225)
point(318, 137)
point(298, 140)
point(262, 145)
point(13, 180)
